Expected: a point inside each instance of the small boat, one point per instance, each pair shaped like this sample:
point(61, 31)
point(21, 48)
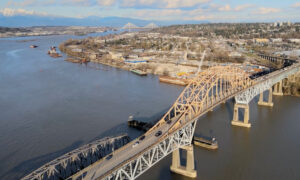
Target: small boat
point(52, 52)
point(206, 142)
point(33, 46)
point(139, 72)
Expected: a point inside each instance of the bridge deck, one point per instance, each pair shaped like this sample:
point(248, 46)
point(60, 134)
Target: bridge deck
point(103, 167)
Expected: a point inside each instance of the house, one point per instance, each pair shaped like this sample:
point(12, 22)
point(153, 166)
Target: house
point(261, 40)
point(234, 54)
point(294, 40)
point(116, 55)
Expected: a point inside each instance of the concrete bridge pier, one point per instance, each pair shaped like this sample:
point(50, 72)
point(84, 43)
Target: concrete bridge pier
point(278, 89)
point(245, 121)
point(261, 101)
point(189, 169)
point(292, 78)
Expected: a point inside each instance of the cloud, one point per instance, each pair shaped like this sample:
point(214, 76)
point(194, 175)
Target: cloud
point(169, 14)
point(21, 3)
point(106, 2)
point(243, 7)
point(225, 8)
point(75, 2)
point(161, 14)
point(181, 3)
point(163, 4)
point(296, 5)
point(25, 3)
point(14, 12)
point(263, 10)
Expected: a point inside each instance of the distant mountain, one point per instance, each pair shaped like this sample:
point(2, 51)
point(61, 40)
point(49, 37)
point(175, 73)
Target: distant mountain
point(31, 20)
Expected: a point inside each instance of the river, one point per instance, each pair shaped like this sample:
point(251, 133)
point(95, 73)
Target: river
point(49, 107)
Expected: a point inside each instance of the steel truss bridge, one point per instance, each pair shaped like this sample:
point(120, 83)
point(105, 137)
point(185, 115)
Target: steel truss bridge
point(209, 89)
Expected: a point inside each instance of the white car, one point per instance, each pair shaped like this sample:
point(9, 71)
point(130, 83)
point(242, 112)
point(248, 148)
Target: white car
point(135, 144)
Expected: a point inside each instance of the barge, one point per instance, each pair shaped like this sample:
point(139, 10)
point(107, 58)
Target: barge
point(142, 126)
point(173, 80)
point(206, 142)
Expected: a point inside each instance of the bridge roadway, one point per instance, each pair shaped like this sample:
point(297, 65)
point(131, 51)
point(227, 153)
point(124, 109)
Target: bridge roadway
point(104, 167)
point(123, 154)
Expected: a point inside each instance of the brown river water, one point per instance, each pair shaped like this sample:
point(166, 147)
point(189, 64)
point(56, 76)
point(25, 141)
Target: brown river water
point(49, 107)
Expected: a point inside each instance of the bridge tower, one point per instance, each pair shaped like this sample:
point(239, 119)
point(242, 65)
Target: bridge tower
point(245, 121)
point(278, 89)
point(261, 101)
point(189, 169)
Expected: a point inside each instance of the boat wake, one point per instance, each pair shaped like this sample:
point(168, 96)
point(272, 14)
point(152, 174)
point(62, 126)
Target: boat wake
point(14, 53)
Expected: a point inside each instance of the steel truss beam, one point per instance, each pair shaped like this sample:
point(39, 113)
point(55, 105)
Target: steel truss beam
point(262, 85)
point(149, 158)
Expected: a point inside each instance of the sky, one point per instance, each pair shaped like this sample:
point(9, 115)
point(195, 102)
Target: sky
point(198, 10)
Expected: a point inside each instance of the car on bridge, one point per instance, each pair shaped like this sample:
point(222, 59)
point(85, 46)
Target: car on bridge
point(109, 157)
point(158, 133)
point(135, 144)
point(142, 137)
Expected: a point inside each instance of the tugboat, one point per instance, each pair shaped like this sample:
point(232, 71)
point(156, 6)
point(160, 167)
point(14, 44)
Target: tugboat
point(142, 126)
point(33, 46)
point(206, 142)
point(52, 52)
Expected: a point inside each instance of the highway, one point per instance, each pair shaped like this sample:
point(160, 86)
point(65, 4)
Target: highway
point(125, 153)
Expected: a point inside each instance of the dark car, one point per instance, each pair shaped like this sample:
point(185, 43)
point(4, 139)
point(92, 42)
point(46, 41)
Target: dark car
point(158, 133)
point(142, 138)
point(169, 122)
point(109, 157)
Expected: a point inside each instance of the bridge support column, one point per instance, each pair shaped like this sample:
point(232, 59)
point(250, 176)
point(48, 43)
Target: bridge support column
point(269, 102)
point(236, 121)
point(293, 78)
point(189, 169)
point(278, 89)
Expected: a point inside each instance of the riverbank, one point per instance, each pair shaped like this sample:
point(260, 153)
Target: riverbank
point(6, 32)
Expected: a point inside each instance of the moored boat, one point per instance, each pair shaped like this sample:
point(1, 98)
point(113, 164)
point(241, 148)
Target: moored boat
point(139, 72)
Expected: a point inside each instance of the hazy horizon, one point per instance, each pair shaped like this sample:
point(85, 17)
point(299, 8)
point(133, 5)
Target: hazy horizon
point(189, 11)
